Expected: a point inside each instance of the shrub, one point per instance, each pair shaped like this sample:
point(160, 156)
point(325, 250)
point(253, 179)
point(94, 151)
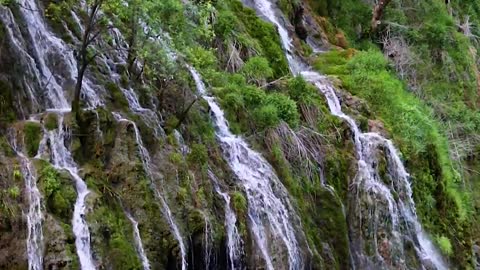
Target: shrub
point(51, 121)
point(266, 116)
point(444, 245)
point(13, 192)
point(225, 24)
point(253, 96)
point(287, 108)
point(257, 70)
point(201, 58)
point(198, 154)
point(300, 91)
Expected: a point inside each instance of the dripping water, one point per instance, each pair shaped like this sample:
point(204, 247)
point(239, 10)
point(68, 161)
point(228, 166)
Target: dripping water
point(145, 157)
point(138, 242)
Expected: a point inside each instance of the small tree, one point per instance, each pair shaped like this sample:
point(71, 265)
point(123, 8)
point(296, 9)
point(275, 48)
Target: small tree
point(93, 28)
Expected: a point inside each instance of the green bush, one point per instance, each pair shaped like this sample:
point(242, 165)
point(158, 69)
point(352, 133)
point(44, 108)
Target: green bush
point(257, 70)
point(266, 116)
point(287, 108)
point(13, 192)
point(301, 92)
point(263, 33)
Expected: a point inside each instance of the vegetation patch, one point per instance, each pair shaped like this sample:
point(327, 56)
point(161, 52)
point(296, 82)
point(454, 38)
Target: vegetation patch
point(32, 136)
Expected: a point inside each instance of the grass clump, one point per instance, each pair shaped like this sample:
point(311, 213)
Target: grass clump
point(32, 136)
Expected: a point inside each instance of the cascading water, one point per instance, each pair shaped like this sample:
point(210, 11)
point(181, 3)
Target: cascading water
point(138, 242)
point(269, 209)
point(149, 116)
point(399, 224)
point(145, 157)
point(34, 214)
point(55, 60)
point(234, 241)
point(61, 159)
point(401, 213)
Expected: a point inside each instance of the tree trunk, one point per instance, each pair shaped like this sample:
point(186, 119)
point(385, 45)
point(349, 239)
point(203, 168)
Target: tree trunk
point(378, 13)
point(78, 89)
point(184, 114)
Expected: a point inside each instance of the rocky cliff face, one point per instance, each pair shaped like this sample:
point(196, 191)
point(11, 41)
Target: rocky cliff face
point(206, 140)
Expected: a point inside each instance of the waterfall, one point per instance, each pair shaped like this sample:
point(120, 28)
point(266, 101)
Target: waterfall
point(234, 241)
point(56, 63)
point(61, 159)
point(401, 213)
point(138, 242)
point(145, 156)
point(34, 215)
point(404, 226)
point(269, 209)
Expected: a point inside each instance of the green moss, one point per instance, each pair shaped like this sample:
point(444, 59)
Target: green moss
point(176, 158)
point(7, 106)
point(266, 35)
point(118, 100)
point(239, 202)
point(112, 236)
point(51, 121)
point(13, 192)
point(5, 147)
point(58, 190)
point(32, 136)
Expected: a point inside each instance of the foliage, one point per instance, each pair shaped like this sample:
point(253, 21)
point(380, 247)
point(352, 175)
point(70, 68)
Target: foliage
point(287, 108)
point(13, 192)
point(262, 32)
point(266, 116)
point(7, 111)
point(257, 70)
point(239, 202)
point(59, 193)
point(198, 154)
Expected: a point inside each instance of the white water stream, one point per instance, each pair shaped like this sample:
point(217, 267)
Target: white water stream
point(138, 242)
point(53, 145)
point(269, 209)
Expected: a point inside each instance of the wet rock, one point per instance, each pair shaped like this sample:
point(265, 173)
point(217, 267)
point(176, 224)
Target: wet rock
point(377, 126)
point(57, 250)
